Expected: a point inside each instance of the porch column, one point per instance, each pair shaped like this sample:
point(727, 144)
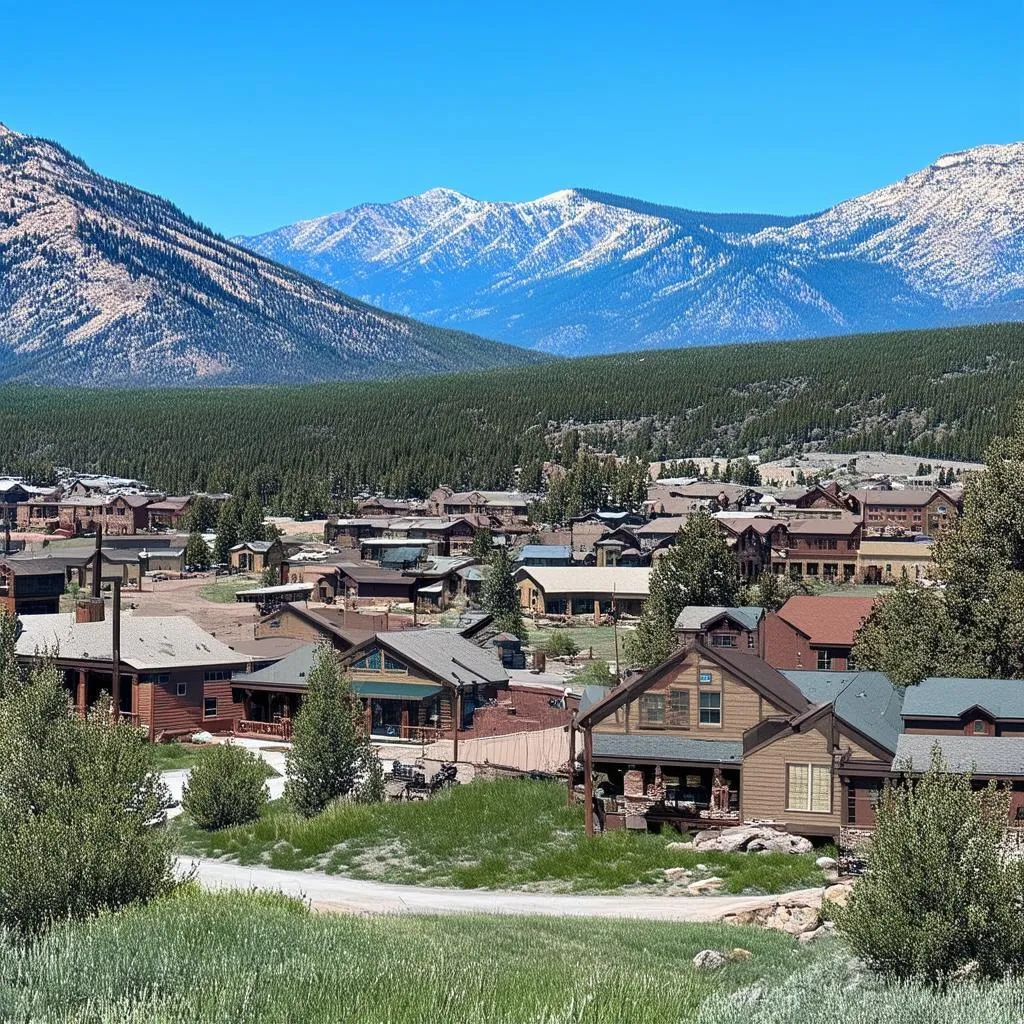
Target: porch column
point(572, 755)
point(134, 709)
point(368, 718)
point(588, 780)
point(82, 689)
point(405, 720)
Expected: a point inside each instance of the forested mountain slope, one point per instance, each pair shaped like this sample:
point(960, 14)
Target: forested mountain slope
point(940, 393)
point(579, 271)
point(102, 284)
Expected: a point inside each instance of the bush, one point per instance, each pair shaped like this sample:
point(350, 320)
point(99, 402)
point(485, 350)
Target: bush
point(78, 806)
point(561, 645)
point(595, 673)
point(938, 895)
point(226, 787)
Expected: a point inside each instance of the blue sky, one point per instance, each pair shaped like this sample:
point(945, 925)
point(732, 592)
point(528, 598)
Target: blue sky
point(257, 114)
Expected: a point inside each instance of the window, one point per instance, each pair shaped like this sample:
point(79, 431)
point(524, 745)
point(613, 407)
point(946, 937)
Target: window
point(369, 663)
point(652, 709)
point(811, 569)
point(722, 640)
point(710, 709)
point(218, 675)
point(705, 678)
point(750, 641)
point(979, 727)
point(824, 660)
point(155, 677)
point(182, 689)
point(679, 707)
point(393, 664)
point(809, 788)
point(210, 707)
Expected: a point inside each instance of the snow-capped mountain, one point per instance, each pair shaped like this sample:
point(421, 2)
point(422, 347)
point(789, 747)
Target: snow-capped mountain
point(580, 271)
point(103, 284)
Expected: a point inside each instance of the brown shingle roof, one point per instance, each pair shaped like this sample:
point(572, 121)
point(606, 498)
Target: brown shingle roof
point(827, 620)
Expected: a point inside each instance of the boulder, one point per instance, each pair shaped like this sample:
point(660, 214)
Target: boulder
point(838, 894)
point(826, 863)
point(818, 933)
point(677, 874)
point(794, 918)
point(709, 960)
point(754, 838)
point(706, 886)
point(739, 953)
point(680, 845)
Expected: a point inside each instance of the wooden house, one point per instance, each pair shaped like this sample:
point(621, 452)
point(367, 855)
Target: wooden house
point(31, 586)
point(256, 555)
point(910, 510)
point(717, 736)
point(818, 549)
point(814, 632)
point(582, 590)
point(175, 678)
point(414, 684)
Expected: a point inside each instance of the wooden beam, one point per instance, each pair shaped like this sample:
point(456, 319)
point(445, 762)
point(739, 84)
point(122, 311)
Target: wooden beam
point(572, 756)
point(588, 780)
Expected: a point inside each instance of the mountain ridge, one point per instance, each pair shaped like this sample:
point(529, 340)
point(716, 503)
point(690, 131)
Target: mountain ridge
point(582, 272)
point(102, 283)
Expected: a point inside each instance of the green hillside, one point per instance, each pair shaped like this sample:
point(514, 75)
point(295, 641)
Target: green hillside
point(940, 393)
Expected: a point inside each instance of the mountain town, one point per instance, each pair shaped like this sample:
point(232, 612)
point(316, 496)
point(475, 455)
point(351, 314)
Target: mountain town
point(512, 515)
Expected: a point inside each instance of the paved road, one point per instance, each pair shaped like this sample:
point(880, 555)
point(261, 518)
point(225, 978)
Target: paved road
point(347, 895)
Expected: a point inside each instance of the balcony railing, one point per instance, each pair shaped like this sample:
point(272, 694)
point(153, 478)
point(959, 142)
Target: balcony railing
point(281, 729)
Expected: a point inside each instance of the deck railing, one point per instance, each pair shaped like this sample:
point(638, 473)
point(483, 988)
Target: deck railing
point(281, 729)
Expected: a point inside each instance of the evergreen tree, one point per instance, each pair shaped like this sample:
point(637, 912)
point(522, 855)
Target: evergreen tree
point(330, 746)
point(197, 552)
point(10, 673)
point(483, 544)
point(251, 526)
point(227, 532)
point(78, 801)
point(697, 569)
point(771, 591)
point(939, 893)
point(909, 636)
point(501, 596)
point(201, 516)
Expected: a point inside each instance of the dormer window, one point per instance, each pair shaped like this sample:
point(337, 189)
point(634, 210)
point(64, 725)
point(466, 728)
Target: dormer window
point(979, 727)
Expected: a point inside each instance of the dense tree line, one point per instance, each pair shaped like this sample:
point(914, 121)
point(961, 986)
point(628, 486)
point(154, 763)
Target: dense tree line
point(935, 394)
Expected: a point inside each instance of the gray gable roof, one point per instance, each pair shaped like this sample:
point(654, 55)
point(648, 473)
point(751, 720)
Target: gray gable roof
point(446, 654)
point(591, 695)
point(292, 670)
point(949, 698)
point(866, 701)
point(981, 755)
point(665, 748)
point(693, 617)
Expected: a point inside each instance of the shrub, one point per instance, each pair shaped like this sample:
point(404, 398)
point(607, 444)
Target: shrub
point(938, 894)
point(330, 747)
point(595, 673)
point(561, 645)
point(226, 787)
point(78, 805)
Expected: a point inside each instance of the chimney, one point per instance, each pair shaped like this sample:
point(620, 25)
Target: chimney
point(89, 609)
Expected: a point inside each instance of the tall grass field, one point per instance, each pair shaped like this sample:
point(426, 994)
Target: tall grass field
point(244, 958)
point(510, 833)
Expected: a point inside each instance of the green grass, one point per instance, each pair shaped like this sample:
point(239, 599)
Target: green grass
point(206, 959)
point(224, 592)
point(490, 835)
point(601, 638)
point(169, 756)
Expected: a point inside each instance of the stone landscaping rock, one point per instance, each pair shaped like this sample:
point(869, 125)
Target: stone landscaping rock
point(739, 953)
point(706, 886)
point(680, 845)
point(677, 874)
point(838, 894)
point(783, 916)
point(751, 838)
point(818, 933)
point(826, 863)
point(709, 960)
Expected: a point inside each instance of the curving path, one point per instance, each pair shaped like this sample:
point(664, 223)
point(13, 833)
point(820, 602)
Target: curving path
point(349, 895)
